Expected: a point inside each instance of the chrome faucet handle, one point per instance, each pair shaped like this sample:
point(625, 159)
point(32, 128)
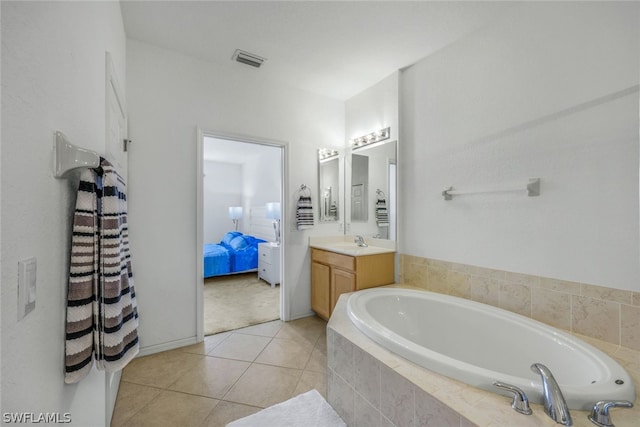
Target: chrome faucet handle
point(600, 414)
point(520, 402)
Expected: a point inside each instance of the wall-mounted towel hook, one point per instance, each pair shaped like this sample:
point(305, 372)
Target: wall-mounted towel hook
point(67, 157)
point(304, 190)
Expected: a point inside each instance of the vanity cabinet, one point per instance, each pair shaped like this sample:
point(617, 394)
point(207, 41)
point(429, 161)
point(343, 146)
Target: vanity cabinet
point(333, 274)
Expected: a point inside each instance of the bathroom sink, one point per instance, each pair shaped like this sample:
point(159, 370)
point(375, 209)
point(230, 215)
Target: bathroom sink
point(346, 245)
point(351, 248)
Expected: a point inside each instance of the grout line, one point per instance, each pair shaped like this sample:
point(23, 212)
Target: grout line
point(186, 393)
point(222, 399)
point(213, 408)
point(251, 363)
point(124, 422)
point(262, 351)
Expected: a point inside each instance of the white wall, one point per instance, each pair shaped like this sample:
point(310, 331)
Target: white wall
point(550, 91)
point(53, 78)
point(371, 110)
point(170, 95)
point(262, 178)
point(222, 188)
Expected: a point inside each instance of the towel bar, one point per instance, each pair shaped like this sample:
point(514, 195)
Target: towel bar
point(67, 157)
point(532, 187)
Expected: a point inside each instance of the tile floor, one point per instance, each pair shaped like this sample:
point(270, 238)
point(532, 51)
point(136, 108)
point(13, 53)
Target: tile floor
point(228, 376)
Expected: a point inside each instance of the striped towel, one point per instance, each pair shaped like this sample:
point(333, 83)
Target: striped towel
point(382, 214)
point(102, 315)
point(304, 213)
point(333, 210)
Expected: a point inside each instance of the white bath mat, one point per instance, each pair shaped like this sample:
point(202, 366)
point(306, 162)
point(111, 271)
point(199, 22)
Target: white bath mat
point(306, 410)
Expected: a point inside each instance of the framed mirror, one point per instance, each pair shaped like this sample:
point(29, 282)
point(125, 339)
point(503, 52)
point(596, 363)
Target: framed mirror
point(370, 190)
point(359, 188)
point(329, 185)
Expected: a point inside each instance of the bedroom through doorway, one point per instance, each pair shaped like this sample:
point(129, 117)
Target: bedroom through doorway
point(240, 264)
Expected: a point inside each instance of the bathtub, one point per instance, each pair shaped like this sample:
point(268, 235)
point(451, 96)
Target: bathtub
point(478, 344)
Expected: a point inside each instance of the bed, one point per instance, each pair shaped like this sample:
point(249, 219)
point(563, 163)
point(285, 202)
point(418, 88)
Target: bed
point(236, 253)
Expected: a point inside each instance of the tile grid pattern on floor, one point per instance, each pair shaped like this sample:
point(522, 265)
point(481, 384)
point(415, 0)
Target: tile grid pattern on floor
point(229, 376)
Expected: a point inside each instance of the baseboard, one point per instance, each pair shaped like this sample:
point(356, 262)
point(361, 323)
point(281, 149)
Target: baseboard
point(171, 345)
point(302, 315)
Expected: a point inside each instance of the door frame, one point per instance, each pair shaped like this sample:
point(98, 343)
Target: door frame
point(118, 155)
point(284, 184)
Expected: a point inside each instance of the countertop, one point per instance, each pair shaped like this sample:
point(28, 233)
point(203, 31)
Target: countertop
point(345, 245)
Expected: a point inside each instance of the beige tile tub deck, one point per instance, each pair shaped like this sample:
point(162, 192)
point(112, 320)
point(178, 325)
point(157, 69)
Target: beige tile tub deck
point(433, 399)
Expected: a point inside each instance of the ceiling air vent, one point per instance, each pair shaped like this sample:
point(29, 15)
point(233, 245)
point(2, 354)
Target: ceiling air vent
point(247, 58)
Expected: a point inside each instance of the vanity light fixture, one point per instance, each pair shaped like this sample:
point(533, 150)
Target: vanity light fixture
point(326, 154)
point(371, 138)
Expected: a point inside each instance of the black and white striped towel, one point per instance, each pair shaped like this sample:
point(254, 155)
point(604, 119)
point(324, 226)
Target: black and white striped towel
point(102, 314)
point(304, 213)
point(382, 214)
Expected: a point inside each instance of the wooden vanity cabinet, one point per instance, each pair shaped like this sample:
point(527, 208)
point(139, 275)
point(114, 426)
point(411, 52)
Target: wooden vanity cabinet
point(333, 274)
point(321, 289)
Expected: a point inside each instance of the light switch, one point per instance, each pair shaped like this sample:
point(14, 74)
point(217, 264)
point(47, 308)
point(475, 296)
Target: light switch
point(26, 286)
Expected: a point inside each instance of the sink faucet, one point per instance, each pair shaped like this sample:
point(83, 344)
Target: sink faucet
point(554, 404)
point(359, 240)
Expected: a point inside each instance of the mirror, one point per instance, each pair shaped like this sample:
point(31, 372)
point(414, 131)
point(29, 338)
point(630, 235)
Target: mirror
point(359, 187)
point(370, 191)
point(328, 184)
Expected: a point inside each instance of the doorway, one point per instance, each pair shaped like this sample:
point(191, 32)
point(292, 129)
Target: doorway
point(240, 180)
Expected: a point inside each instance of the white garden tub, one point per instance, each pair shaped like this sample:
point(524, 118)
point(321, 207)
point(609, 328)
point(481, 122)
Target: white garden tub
point(478, 344)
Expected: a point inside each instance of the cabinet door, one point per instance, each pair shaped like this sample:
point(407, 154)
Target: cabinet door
point(341, 282)
point(320, 289)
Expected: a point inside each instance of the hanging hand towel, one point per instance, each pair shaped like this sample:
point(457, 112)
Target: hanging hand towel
point(333, 210)
point(304, 213)
point(102, 316)
point(382, 214)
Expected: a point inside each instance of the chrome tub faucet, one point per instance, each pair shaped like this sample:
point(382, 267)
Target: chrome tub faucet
point(553, 401)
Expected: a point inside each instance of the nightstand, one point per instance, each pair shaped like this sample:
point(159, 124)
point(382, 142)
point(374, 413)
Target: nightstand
point(269, 263)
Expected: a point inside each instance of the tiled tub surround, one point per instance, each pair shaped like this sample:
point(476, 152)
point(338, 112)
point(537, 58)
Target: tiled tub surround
point(370, 386)
point(611, 315)
point(477, 344)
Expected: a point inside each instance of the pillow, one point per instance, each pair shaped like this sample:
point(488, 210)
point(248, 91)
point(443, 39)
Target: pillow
point(230, 236)
point(253, 241)
point(238, 243)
